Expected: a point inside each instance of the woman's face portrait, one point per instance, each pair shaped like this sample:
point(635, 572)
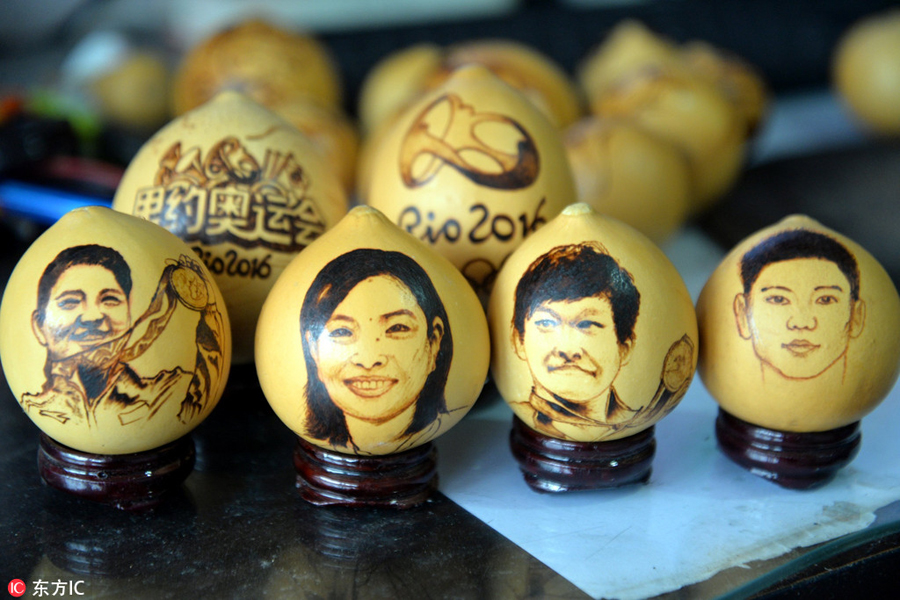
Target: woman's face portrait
point(374, 354)
point(87, 307)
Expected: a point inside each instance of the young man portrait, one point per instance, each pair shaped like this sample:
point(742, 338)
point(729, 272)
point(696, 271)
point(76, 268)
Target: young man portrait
point(800, 305)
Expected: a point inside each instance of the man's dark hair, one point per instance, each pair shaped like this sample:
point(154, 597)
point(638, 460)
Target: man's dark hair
point(799, 243)
point(90, 254)
point(333, 283)
point(576, 271)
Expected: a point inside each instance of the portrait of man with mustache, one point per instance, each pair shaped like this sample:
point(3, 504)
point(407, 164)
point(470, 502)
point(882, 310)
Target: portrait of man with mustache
point(84, 320)
point(573, 324)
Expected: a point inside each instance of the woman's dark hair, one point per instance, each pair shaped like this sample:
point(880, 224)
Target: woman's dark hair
point(324, 419)
point(799, 243)
point(575, 271)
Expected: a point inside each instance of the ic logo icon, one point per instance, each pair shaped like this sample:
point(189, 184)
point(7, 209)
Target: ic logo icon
point(16, 588)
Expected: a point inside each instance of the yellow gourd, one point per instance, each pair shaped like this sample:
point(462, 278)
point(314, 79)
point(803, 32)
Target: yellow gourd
point(799, 329)
point(114, 336)
point(473, 168)
point(370, 342)
point(594, 333)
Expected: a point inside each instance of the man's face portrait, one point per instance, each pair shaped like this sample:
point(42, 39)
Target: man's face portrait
point(800, 316)
point(571, 347)
point(86, 307)
point(374, 354)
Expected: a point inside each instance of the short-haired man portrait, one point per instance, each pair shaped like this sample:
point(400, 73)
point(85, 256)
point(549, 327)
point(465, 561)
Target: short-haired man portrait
point(800, 305)
point(573, 324)
point(84, 320)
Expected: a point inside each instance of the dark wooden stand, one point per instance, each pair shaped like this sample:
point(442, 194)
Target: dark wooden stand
point(792, 460)
point(133, 482)
point(402, 480)
point(553, 465)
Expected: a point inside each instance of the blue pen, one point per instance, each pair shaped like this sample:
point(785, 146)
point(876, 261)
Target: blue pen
point(41, 204)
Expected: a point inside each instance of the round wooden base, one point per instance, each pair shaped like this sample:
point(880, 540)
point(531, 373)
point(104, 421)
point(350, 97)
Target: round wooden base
point(792, 460)
point(553, 465)
point(133, 482)
point(328, 478)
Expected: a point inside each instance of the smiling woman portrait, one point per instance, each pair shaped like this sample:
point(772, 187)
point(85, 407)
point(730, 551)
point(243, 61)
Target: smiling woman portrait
point(83, 318)
point(377, 346)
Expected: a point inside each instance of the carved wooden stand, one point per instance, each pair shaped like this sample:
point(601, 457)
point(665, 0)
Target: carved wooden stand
point(132, 482)
point(553, 465)
point(792, 460)
point(402, 480)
